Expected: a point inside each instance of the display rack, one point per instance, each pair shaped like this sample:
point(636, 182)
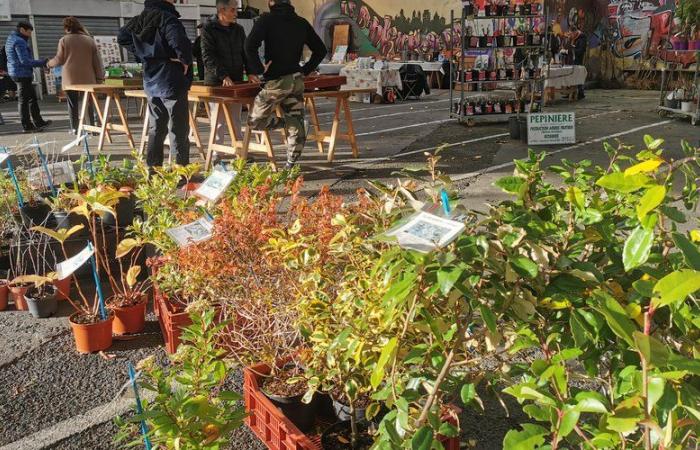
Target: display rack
point(487, 82)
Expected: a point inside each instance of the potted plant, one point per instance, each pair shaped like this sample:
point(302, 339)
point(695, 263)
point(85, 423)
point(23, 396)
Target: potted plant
point(129, 295)
point(41, 297)
point(124, 178)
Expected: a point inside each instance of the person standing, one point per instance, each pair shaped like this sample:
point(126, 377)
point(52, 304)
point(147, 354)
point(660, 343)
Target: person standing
point(197, 53)
point(7, 86)
point(158, 40)
point(579, 44)
point(20, 65)
point(223, 53)
point(284, 34)
point(82, 64)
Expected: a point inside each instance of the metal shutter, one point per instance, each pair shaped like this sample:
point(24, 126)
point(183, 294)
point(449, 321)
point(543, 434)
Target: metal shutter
point(190, 28)
point(49, 30)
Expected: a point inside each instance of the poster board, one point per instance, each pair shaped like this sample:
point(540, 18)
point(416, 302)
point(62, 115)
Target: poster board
point(109, 49)
point(5, 11)
point(551, 128)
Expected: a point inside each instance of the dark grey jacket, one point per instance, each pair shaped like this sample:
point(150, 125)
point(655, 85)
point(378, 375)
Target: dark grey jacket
point(223, 52)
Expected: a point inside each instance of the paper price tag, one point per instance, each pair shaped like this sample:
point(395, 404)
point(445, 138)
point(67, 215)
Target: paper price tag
point(191, 233)
point(215, 185)
point(69, 266)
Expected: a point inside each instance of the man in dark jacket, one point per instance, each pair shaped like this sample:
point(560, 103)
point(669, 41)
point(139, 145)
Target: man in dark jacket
point(223, 53)
point(20, 66)
point(579, 44)
point(284, 34)
point(197, 53)
point(158, 40)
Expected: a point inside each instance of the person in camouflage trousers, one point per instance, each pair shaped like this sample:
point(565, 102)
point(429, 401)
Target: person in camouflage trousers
point(285, 34)
point(287, 92)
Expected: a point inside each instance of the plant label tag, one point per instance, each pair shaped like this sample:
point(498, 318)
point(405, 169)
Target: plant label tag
point(215, 185)
point(74, 143)
point(425, 232)
point(192, 233)
point(69, 266)
point(3, 157)
point(61, 173)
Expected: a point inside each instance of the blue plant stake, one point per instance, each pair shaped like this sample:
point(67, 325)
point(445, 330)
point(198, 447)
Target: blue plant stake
point(42, 158)
point(139, 408)
point(20, 199)
point(210, 218)
point(98, 286)
point(86, 148)
point(445, 202)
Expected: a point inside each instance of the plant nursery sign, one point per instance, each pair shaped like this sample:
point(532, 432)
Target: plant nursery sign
point(61, 173)
point(69, 266)
point(551, 128)
point(191, 233)
point(215, 185)
point(425, 232)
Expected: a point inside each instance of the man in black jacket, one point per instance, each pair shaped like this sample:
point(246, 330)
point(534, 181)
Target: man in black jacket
point(197, 53)
point(284, 34)
point(579, 44)
point(223, 54)
point(158, 39)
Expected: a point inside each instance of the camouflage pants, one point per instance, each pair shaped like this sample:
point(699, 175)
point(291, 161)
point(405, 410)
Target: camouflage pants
point(288, 93)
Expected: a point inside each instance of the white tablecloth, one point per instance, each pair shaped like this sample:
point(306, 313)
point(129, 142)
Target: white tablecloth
point(426, 66)
point(372, 79)
point(565, 76)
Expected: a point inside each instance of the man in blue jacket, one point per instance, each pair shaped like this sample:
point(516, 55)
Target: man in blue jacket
point(20, 66)
point(158, 40)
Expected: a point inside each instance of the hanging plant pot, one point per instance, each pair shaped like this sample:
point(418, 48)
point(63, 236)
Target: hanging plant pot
point(4, 294)
point(42, 303)
point(35, 215)
point(129, 319)
point(63, 288)
point(91, 336)
point(17, 292)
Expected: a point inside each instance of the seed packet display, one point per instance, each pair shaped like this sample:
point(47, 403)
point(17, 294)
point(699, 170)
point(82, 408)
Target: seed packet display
point(215, 185)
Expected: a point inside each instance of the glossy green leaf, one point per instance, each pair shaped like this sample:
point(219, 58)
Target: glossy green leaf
point(650, 200)
point(568, 421)
point(468, 393)
point(378, 372)
point(653, 350)
point(620, 182)
point(655, 387)
point(511, 185)
point(591, 405)
point(676, 286)
point(524, 266)
point(447, 279)
point(690, 251)
point(637, 248)
point(489, 318)
point(423, 439)
point(616, 317)
point(530, 438)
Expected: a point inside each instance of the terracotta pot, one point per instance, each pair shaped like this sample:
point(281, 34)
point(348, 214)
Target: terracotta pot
point(18, 297)
point(4, 293)
point(63, 288)
point(131, 319)
point(94, 337)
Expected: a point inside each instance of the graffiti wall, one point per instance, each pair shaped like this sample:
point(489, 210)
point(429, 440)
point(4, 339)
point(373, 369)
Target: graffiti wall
point(620, 32)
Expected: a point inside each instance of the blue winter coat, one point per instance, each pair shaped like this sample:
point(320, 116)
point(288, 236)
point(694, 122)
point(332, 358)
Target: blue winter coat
point(156, 37)
point(20, 59)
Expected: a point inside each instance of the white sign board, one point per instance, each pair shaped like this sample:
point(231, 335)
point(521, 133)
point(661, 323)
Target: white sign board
point(69, 266)
point(61, 173)
point(109, 49)
point(551, 128)
point(5, 11)
point(191, 233)
point(215, 185)
point(425, 232)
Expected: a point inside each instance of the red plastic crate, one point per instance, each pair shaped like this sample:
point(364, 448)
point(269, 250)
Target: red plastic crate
point(171, 321)
point(278, 433)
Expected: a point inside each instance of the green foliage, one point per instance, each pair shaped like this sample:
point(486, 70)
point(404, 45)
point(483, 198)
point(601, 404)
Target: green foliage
point(184, 405)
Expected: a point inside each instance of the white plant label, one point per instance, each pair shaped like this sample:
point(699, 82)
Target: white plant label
point(191, 233)
point(74, 143)
point(69, 266)
point(425, 232)
point(215, 185)
point(3, 157)
point(61, 173)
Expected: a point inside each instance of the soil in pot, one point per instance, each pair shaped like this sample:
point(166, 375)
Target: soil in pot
point(338, 437)
point(41, 301)
point(129, 314)
point(342, 409)
point(17, 292)
point(91, 334)
point(287, 397)
point(4, 294)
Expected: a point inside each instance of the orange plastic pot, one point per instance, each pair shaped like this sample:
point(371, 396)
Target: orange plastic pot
point(131, 319)
point(63, 288)
point(4, 294)
point(92, 337)
point(18, 297)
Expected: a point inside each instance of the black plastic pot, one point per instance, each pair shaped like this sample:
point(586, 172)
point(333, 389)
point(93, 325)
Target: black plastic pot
point(514, 127)
point(302, 415)
point(327, 442)
point(35, 215)
point(43, 307)
point(500, 41)
point(342, 411)
point(61, 219)
point(125, 213)
point(523, 128)
point(483, 41)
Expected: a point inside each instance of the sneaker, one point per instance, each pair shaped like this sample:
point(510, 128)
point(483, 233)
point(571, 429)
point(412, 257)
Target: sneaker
point(31, 130)
point(44, 124)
